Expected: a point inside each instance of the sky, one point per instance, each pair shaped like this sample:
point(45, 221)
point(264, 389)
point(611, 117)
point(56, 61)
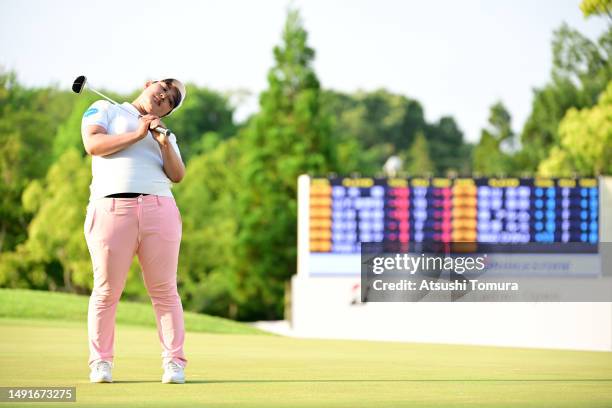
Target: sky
point(455, 57)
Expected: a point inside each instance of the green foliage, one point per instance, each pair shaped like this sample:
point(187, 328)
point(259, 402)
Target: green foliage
point(55, 254)
point(56, 231)
point(291, 135)
point(69, 132)
point(596, 7)
point(382, 117)
point(18, 269)
point(207, 199)
point(581, 71)
point(377, 124)
point(445, 143)
point(203, 111)
point(585, 147)
point(417, 161)
point(28, 121)
point(489, 155)
point(369, 127)
point(352, 155)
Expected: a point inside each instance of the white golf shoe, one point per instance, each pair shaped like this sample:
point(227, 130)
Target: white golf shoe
point(101, 372)
point(174, 373)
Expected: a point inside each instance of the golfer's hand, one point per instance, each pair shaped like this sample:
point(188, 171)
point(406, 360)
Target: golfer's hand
point(145, 123)
point(159, 137)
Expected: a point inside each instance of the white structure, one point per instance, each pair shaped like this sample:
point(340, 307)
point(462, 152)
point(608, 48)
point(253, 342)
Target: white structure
point(392, 166)
point(329, 307)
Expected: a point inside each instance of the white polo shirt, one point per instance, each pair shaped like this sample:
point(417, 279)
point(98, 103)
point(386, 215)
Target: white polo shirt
point(136, 169)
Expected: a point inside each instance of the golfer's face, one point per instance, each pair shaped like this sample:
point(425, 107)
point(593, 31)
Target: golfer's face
point(160, 98)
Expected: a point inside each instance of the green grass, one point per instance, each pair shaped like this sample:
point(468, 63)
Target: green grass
point(30, 304)
point(273, 371)
point(247, 370)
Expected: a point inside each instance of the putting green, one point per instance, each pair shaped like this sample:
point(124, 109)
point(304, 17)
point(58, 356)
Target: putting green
point(228, 370)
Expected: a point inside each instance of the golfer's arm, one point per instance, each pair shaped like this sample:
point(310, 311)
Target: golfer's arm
point(173, 165)
point(98, 143)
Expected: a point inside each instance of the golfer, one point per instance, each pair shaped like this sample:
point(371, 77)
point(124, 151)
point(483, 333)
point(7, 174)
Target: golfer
point(131, 212)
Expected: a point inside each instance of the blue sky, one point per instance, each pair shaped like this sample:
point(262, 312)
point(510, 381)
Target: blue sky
point(455, 57)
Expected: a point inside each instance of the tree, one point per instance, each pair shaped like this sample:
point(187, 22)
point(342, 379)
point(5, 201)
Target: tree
point(586, 142)
point(353, 156)
point(378, 124)
point(55, 234)
point(489, 155)
point(55, 254)
point(445, 143)
point(28, 121)
point(207, 199)
point(69, 133)
point(369, 127)
point(581, 70)
point(417, 162)
point(290, 136)
point(596, 7)
point(204, 111)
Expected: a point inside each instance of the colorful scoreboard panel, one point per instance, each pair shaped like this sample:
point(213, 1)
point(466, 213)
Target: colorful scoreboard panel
point(343, 212)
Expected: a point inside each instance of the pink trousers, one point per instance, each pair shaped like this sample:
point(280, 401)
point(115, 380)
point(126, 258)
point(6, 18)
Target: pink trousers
point(116, 229)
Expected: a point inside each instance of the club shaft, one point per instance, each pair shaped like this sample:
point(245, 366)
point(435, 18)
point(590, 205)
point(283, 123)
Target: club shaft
point(157, 129)
point(108, 99)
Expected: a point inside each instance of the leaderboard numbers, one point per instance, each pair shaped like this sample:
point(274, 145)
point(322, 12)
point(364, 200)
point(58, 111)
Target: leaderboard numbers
point(545, 214)
point(357, 216)
point(398, 214)
point(567, 214)
point(465, 211)
point(589, 223)
point(503, 214)
point(347, 211)
point(370, 213)
point(345, 220)
point(320, 214)
point(441, 214)
point(420, 212)
point(432, 214)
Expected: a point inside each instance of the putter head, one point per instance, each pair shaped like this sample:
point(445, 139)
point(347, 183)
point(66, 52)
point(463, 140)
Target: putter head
point(79, 84)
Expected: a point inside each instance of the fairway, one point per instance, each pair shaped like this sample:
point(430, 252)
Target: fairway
point(271, 371)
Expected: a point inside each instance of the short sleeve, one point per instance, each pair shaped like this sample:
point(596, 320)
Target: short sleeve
point(96, 114)
point(172, 140)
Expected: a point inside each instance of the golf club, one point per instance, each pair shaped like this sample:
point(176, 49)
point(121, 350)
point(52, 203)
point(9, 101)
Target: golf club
point(81, 81)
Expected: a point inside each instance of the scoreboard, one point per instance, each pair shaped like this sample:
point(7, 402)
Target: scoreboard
point(343, 212)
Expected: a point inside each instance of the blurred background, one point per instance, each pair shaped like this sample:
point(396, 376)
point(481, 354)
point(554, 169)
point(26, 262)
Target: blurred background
point(275, 91)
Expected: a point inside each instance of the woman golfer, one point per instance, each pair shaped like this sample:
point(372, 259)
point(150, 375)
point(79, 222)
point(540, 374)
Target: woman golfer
point(131, 212)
